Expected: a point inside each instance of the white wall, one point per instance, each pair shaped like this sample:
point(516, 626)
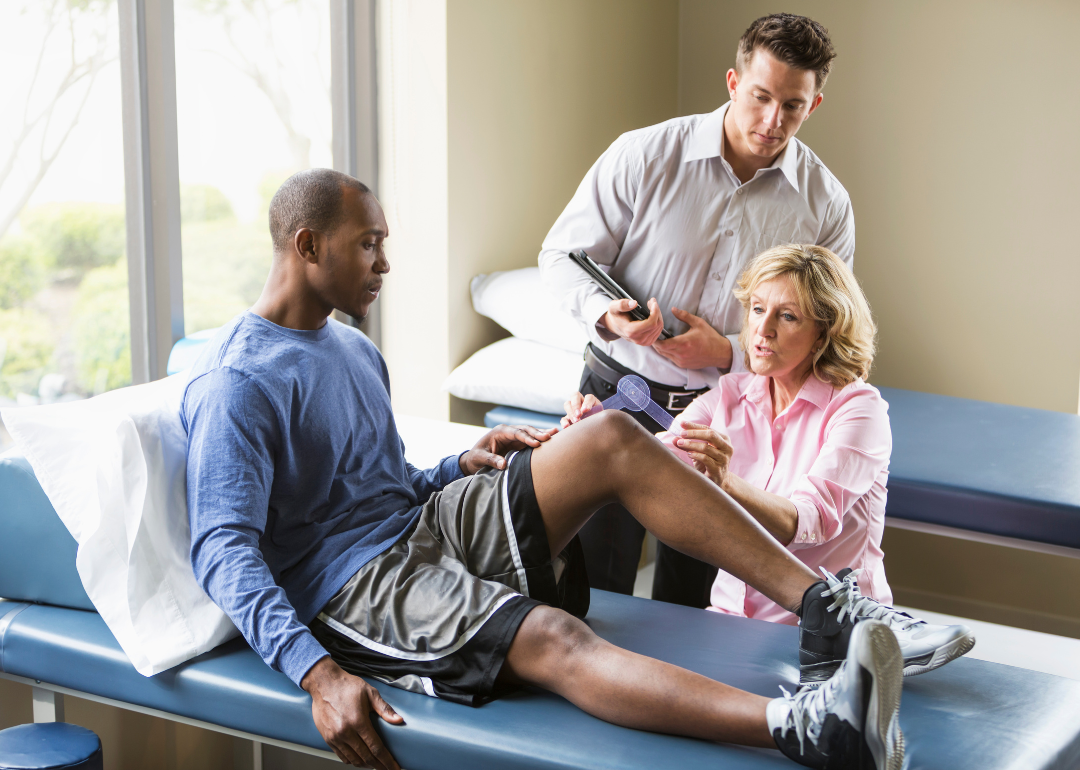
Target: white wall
point(413, 163)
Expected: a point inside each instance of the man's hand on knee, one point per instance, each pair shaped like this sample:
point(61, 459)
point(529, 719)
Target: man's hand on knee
point(490, 451)
point(341, 705)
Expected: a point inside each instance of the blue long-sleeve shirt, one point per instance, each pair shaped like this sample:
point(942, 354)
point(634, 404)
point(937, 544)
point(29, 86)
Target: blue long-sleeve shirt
point(296, 476)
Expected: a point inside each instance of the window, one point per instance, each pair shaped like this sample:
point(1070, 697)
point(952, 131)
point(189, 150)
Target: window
point(253, 106)
point(64, 328)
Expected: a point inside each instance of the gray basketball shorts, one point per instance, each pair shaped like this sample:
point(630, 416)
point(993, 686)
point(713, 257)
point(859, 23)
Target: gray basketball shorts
point(436, 612)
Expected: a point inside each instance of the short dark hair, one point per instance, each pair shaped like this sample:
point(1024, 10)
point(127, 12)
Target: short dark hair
point(797, 41)
point(309, 199)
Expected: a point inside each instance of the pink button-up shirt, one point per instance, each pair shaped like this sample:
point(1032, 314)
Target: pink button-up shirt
point(828, 453)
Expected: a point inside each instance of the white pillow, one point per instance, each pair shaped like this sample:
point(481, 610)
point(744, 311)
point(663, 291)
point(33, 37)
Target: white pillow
point(114, 468)
point(518, 301)
point(520, 373)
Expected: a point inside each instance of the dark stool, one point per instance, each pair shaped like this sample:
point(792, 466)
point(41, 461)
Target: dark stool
point(49, 746)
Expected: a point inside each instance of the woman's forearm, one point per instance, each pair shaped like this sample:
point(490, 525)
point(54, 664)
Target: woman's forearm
point(777, 514)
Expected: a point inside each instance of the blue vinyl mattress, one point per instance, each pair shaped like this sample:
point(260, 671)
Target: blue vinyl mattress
point(968, 714)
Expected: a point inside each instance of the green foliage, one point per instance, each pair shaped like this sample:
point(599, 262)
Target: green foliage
point(77, 236)
point(22, 271)
point(26, 350)
point(203, 203)
point(225, 267)
point(101, 326)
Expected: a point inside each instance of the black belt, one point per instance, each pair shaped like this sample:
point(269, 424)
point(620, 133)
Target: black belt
point(611, 371)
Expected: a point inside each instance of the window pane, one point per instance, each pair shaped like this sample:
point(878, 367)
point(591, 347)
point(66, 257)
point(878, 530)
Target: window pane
point(64, 327)
point(253, 105)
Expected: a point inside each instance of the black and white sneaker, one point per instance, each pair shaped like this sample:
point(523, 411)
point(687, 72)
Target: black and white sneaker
point(830, 610)
point(850, 722)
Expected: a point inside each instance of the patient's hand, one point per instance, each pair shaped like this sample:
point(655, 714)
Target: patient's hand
point(490, 451)
point(341, 705)
point(578, 408)
point(711, 451)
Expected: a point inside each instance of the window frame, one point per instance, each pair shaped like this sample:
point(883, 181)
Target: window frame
point(151, 159)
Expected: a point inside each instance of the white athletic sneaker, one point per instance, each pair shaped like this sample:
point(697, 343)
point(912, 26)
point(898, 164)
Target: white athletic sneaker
point(833, 606)
point(850, 722)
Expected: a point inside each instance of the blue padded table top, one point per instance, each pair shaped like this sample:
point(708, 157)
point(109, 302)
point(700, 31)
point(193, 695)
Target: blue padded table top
point(968, 714)
point(512, 415)
point(1003, 470)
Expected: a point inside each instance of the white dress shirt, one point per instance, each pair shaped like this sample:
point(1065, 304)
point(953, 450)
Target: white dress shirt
point(663, 210)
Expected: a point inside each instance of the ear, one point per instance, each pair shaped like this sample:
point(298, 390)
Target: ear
point(304, 245)
point(822, 341)
point(814, 105)
point(732, 82)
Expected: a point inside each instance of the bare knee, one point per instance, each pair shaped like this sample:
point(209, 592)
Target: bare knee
point(546, 646)
point(613, 432)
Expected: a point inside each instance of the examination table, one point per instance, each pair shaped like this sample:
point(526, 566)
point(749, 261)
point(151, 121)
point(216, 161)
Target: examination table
point(968, 714)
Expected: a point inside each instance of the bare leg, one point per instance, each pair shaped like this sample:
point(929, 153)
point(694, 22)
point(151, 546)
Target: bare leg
point(610, 458)
point(558, 652)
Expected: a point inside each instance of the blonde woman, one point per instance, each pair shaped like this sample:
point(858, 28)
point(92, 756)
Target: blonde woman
point(800, 440)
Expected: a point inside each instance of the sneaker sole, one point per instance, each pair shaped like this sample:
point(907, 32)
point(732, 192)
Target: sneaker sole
point(813, 678)
point(886, 741)
point(940, 656)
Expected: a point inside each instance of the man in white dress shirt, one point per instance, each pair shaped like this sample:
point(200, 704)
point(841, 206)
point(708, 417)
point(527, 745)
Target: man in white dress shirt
point(675, 212)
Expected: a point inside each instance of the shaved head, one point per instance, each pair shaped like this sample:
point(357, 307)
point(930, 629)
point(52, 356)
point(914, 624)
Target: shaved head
point(311, 199)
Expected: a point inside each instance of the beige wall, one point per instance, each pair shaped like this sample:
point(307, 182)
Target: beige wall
point(952, 125)
point(491, 113)
point(537, 91)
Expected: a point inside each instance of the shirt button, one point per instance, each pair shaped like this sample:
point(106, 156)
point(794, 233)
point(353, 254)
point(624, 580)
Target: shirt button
point(715, 276)
point(739, 191)
point(729, 233)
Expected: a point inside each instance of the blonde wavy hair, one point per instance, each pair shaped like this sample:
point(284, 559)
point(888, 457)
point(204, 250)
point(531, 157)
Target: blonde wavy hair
point(829, 294)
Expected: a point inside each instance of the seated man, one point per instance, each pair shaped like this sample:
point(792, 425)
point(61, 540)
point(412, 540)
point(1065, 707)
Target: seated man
point(335, 557)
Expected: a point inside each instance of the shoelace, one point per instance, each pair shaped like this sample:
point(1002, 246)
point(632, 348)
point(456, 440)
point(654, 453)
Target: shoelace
point(851, 602)
point(809, 709)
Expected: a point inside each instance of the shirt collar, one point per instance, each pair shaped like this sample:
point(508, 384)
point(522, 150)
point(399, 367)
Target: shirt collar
point(788, 163)
point(707, 141)
point(814, 391)
point(817, 392)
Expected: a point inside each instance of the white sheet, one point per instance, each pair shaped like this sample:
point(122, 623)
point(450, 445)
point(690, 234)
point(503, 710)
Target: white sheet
point(114, 468)
point(428, 441)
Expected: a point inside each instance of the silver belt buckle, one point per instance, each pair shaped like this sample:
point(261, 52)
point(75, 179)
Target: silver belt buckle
point(671, 396)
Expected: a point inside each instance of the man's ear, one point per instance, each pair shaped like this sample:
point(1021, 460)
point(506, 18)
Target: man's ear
point(732, 82)
point(814, 105)
point(305, 246)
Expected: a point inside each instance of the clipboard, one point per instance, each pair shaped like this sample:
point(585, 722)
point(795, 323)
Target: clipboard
point(612, 289)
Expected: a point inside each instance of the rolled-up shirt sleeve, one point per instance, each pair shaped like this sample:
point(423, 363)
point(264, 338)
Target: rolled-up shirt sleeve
point(597, 220)
point(857, 446)
point(233, 438)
